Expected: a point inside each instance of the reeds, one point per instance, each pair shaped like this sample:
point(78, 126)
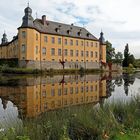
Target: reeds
point(112, 121)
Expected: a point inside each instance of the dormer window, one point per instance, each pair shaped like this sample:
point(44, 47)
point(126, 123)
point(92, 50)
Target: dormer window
point(79, 33)
point(68, 31)
point(57, 30)
point(88, 34)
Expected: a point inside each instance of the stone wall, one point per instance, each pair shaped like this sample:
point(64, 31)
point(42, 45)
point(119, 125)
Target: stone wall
point(57, 65)
point(115, 67)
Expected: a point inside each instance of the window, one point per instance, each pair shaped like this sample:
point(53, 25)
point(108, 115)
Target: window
point(59, 52)
point(76, 42)
point(65, 52)
point(36, 49)
point(96, 45)
point(82, 53)
point(87, 44)
point(65, 91)
point(53, 40)
point(82, 89)
point(59, 40)
point(91, 44)
point(86, 53)
point(71, 42)
point(66, 42)
point(76, 90)
point(91, 88)
point(96, 88)
point(71, 90)
point(43, 50)
point(23, 48)
point(59, 92)
point(91, 54)
point(65, 102)
point(82, 43)
point(44, 93)
point(53, 51)
point(96, 54)
point(77, 52)
point(52, 92)
point(86, 88)
point(23, 34)
point(71, 52)
point(45, 39)
point(36, 37)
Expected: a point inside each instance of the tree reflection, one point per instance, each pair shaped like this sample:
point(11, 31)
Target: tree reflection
point(128, 79)
point(119, 81)
point(110, 85)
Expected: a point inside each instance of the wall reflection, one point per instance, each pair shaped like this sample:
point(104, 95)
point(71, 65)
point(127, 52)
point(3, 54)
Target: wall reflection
point(36, 95)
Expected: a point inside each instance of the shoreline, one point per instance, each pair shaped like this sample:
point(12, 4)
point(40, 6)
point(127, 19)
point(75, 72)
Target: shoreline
point(25, 71)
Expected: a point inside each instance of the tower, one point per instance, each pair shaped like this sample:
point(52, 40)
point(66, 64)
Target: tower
point(27, 20)
point(102, 39)
point(4, 39)
point(102, 50)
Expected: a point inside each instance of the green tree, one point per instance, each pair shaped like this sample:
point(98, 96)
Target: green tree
point(110, 52)
point(118, 57)
point(131, 59)
point(137, 63)
point(128, 58)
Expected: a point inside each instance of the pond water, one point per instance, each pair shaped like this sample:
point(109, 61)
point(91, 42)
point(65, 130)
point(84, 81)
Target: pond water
point(29, 97)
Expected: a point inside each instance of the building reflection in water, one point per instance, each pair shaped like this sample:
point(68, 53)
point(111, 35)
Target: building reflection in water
point(33, 96)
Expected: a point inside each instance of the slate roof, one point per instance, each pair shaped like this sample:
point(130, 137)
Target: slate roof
point(7, 43)
point(56, 28)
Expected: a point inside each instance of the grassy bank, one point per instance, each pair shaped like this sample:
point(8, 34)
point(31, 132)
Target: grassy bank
point(114, 121)
point(11, 70)
point(129, 70)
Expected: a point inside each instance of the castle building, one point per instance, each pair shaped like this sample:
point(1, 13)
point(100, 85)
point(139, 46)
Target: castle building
point(44, 44)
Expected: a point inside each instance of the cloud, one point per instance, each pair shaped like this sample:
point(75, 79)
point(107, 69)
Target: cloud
point(118, 19)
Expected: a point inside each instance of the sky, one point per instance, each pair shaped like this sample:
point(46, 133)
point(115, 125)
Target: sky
point(118, 19)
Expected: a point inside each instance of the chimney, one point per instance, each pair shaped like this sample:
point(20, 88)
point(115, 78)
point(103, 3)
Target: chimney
point(44, 19)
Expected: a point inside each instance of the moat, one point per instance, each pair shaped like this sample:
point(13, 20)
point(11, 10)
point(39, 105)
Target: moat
point(29, 98)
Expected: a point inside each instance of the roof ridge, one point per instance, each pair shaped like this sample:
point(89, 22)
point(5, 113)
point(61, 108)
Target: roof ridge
point(62, 23)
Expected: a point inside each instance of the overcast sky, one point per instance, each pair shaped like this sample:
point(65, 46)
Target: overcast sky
point(119, 19)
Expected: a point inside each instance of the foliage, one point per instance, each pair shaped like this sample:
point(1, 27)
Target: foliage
point(11, 134)
point(128, 58)
point(9, 70)
point(110, 52)
point(114, 121)
point(6, 69)
point(137, 63)
point(10, 63)
point(118, 58)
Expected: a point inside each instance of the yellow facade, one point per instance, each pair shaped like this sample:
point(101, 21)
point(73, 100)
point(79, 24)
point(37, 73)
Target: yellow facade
point(10, 50)
point(33, 47)
point(31, 44)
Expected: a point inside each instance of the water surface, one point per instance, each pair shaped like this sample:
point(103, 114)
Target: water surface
point(29, 97)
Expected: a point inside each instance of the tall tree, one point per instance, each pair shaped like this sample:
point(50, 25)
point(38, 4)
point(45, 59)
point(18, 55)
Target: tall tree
point(110, 52)
point(126, 56)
